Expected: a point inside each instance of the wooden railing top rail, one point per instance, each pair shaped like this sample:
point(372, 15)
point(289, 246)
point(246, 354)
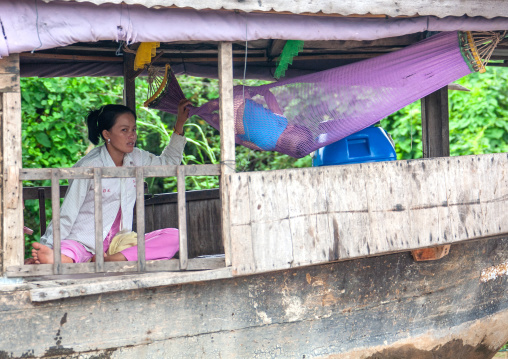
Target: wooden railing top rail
point(33, 174)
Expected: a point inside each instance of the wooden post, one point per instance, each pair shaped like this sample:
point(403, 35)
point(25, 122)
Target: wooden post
point(55, 207)
point(182, 218)
point(436, 143)
point(435, 124)
point(227, 139)
point(129, 81)
point(11, 208)
point(140, 218)
point(99, 240)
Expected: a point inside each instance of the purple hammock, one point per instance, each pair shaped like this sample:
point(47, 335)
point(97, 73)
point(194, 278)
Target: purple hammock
point(299, 115)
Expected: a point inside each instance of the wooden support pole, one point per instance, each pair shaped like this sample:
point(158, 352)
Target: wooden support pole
point(435, 124)
point(99, 240)
point(436, 143)
point(182, 218)
point(227, 139)
point(129, 81)
point(11, 207)
point(55, 206)
point(140, 218)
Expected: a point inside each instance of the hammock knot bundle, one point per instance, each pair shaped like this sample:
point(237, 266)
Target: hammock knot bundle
point(299, 115)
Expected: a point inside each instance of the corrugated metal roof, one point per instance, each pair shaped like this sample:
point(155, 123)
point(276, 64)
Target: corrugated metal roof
point(441, 8)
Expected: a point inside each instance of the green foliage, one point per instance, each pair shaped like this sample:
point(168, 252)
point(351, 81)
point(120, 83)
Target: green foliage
point(478, 119)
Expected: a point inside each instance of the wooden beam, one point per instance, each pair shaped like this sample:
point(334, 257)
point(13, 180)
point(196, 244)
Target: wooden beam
point(436, 143)
point(80, 58)
point(227, 139)
point(12, 243)
point(55, 206)
point(435, 127)
point(99, 240)
point(140, 219)
point(117, 172)
point(182, 218)
point(9, 74)
point(275, 48)
point(171, 265)
point(129, 81)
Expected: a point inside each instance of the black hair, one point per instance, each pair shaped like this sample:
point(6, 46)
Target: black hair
point(103, 119)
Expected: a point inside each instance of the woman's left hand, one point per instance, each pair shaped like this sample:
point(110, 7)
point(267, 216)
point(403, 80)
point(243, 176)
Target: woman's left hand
point(183, 115)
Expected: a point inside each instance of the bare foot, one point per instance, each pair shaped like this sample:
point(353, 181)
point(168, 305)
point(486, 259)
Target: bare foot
point(117, 257)
point(44, 255)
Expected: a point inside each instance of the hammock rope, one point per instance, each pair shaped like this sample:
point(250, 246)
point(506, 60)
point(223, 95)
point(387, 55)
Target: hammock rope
point(299, 115)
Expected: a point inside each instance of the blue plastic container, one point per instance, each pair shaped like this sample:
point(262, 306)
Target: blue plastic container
point(368, 145)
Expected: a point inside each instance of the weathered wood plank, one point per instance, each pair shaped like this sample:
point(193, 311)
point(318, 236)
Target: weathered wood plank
point(2, 167)
point(126, 283)
point(268, 193)
point(372, 209)
point(389, 205)
point(129, 81)
point(463, 195)
point(118, 172)
point(240, 201)
point(429, 216)
point(55, 206)
point(493, 192)
point(12, 228)
point(272, 245)
point(140, 218)
point(9, 73)
point(182, 218)
point(435, 124)
point(331, 309)
point(204, 229)
point(99, 241)
point(308, 216)
point(227, 141)
point(349, 214)
point(171, 265)
point(242, 253)
point(270, 227)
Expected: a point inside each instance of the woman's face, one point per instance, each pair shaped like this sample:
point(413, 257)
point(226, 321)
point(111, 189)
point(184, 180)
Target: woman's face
point(122, 135)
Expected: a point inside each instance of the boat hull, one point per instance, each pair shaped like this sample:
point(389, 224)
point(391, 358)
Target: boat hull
point(379, 307)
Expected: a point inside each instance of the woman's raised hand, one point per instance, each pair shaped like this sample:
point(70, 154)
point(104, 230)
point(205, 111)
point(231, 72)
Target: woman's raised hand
point(183, 115)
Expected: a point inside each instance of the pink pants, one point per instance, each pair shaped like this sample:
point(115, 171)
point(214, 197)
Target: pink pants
point(159, 244)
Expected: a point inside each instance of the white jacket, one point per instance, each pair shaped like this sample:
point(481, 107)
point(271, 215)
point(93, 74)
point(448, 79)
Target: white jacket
point(77, 220)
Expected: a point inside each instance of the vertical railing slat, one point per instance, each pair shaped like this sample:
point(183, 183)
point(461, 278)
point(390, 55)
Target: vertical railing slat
point(140, 218)
point(99, 245)
point(55, 205)
point(42, 210)
point(182, 217)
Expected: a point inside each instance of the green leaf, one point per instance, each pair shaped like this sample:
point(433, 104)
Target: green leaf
point(43, 139)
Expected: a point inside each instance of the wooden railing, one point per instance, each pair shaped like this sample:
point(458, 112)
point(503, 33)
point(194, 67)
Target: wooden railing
point(97, 174)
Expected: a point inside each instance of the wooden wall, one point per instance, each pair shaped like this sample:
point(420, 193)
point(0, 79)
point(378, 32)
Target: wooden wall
point(282, 219)
point(203, 219)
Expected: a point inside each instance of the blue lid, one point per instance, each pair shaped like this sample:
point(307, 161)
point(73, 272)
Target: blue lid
point(368, 145)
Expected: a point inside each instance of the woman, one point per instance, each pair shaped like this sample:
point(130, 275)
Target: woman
point(116, 124)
